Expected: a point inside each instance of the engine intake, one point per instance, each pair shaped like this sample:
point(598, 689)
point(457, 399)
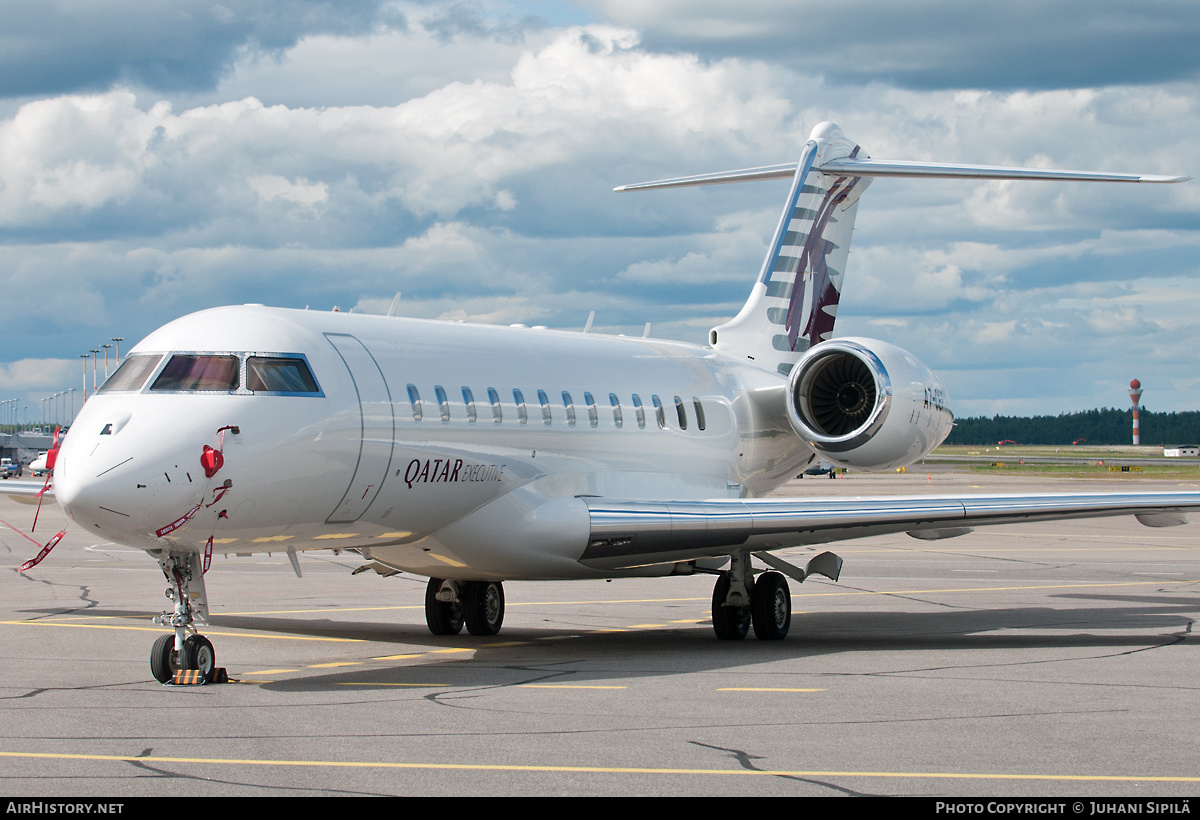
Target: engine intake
point(839, 394)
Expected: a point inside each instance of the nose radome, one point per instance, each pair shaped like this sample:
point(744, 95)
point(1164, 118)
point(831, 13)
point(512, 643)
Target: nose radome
point(114, 488)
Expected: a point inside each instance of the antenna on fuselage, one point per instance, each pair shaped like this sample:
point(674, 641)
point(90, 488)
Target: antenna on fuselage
point(646, 332)
point(591, 318)
point(392, 310)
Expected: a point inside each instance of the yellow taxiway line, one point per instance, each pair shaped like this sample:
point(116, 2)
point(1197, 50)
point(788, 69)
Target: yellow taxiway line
point(496, 767)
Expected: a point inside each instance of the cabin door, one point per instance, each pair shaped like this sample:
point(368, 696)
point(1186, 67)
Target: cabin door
point(377, 425)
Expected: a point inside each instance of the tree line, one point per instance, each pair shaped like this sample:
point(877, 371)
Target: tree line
point(1104, 426)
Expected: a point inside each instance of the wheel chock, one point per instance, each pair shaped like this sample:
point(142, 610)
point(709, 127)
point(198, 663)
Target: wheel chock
point(188, 677)
point(194, 677)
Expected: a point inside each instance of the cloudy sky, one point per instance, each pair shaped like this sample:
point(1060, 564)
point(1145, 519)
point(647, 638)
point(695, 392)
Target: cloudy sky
point(163, 156)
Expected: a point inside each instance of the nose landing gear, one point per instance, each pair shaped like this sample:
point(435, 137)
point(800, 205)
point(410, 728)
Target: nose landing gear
point(182, 651)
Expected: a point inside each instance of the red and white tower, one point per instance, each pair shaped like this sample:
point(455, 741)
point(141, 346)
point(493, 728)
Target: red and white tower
point(1135, 394)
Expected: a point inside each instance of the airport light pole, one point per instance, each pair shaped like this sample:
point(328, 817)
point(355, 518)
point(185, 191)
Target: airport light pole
point(95, 352)
point(116, 340)
point(84, 356)
point(106, 347)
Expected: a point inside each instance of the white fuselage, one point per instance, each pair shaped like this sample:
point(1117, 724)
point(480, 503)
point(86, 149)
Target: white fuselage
point(468, 490)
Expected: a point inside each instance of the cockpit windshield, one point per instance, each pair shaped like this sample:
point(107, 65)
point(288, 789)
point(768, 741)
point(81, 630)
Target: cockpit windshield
point(132, 374)
point(189, 372)
point(241, 373)
point(278, 374)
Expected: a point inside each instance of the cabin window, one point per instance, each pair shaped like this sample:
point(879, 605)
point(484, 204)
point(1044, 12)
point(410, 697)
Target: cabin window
point(639, 411)
point(616, 406)
point(414, 398)
point(544, 400)
point(522, 413)
point(443, 402)
point(659, 413)
point(593, 413)
point(190, 372)
point(497, 412)
point(570, 408)
point(469, 401)
point(132, 374)
point(699, 412)
point(681, 411)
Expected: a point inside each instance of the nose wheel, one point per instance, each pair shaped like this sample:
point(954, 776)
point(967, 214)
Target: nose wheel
point(164, 659)
point(197, 654)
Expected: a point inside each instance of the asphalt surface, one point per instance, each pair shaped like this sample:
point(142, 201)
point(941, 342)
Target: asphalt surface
point(1052, 659)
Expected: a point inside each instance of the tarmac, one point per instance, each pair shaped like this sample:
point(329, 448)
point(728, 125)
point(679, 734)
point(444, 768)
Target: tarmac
point(1032, 660)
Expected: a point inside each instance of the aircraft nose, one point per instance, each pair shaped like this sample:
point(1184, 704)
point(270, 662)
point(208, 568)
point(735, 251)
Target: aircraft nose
point(128, 489)
point(94, 491)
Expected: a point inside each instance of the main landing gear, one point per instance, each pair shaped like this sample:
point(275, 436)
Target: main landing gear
point(739, 600)
point(183, 651)
point(450, 604)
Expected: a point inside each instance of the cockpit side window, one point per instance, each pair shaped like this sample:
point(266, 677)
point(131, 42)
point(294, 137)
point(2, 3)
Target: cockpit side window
point(132, 374)
point(186, 371)
point(279, 374)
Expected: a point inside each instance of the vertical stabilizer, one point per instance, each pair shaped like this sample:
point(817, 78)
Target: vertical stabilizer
point(794, 302)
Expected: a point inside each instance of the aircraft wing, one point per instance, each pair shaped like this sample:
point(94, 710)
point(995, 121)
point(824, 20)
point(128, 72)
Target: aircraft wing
point(27, 492)
point(637, 533)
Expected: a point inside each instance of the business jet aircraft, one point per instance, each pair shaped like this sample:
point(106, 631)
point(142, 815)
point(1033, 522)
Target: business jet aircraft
point(473, 454)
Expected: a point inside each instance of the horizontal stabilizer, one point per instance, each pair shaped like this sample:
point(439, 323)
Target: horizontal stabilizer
point(786, 171)
point(847, 166)
point(904, 168)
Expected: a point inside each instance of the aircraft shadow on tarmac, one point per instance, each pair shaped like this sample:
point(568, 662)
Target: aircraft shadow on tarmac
point(535, 653)
point(1116, 624)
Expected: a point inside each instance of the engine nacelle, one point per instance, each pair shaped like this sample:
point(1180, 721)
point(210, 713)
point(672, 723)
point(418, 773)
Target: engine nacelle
point(867, 404)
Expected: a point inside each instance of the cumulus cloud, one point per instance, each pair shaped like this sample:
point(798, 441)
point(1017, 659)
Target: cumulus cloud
point(60, 46)
point(480, 187)
point(39, 375)
point(934, 44)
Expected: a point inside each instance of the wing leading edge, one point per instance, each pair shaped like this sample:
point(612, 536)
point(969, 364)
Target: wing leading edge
point(636, 533)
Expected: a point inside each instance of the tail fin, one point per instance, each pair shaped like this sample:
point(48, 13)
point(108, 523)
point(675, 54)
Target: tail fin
point(794, 303)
